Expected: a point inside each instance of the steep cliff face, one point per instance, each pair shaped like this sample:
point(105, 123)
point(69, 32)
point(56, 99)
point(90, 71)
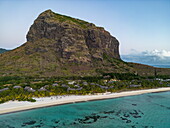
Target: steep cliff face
point(75, 40)
point(59, 45)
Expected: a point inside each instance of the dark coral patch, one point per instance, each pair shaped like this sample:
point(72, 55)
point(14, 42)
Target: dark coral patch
point(134, 104)
point(29, 123)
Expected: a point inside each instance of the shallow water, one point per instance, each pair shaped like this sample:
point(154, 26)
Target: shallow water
point(150, 110)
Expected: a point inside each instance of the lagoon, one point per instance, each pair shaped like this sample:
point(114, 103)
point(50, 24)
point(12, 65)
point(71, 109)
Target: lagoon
point(151, 110)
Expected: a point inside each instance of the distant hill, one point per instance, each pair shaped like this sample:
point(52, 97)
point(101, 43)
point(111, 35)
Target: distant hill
point(155, 58)
point(3, 50)
point(59, 45)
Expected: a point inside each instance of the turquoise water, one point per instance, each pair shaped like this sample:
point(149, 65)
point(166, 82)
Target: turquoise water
point(150, 110)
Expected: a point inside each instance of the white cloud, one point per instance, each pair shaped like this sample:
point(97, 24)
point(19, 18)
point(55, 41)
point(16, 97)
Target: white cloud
point(158, 53)
point(162, 53)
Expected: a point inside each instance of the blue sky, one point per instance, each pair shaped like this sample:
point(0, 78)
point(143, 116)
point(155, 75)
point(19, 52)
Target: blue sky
point(137, 24)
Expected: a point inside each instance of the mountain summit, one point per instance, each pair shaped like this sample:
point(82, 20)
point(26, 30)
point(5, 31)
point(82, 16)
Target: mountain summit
point(75, 40)
point(59, 45)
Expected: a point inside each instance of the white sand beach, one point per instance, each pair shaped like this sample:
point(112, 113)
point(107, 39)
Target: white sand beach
point(13, 106)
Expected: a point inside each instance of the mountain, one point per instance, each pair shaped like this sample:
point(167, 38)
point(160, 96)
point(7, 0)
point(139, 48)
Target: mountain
point(3, 50)
point(59, 45)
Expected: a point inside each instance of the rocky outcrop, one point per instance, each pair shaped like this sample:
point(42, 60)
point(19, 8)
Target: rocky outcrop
point(74, 40)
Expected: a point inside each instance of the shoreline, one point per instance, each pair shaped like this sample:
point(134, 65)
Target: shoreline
point(16, 106)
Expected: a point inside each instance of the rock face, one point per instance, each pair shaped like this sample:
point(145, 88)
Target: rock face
point(74, 40)
point(59, 45)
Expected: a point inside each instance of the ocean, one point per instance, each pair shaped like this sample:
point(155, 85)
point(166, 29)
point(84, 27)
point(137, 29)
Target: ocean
point(161, 65)
point(150, 110)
